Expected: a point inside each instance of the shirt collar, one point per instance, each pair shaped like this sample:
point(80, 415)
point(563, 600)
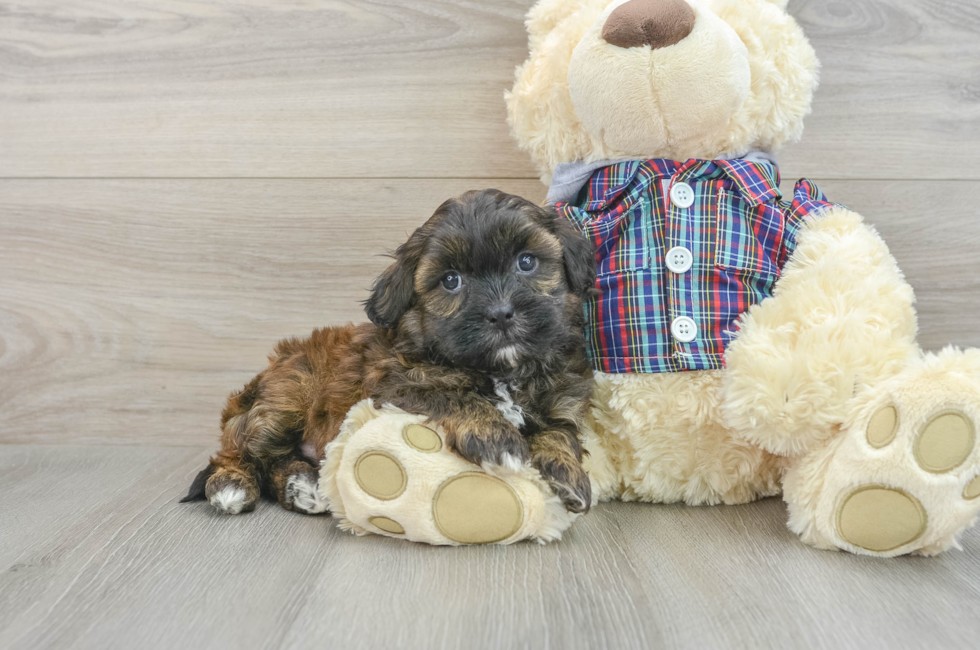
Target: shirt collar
point(757, 180)
point(755, 176)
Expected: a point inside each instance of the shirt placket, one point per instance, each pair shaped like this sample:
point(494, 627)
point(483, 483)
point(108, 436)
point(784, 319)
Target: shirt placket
point(681, 262)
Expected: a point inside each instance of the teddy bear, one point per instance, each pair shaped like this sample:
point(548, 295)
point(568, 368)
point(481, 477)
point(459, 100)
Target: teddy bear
point(745, 344)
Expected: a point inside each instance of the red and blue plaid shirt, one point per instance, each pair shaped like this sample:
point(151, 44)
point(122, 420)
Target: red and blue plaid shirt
point(739, 233)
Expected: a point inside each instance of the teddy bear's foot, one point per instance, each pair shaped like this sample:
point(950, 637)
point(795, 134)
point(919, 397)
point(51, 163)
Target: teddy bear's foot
point(904, 476)
point(389, 473)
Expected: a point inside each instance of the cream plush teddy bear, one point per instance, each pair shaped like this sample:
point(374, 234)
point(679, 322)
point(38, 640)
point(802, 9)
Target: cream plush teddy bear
point(744, 345)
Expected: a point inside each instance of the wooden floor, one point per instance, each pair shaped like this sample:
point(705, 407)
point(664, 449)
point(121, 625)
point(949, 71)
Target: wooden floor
point(183, 183)
point(97, 554)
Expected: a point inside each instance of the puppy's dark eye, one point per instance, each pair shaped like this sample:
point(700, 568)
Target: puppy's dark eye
point(526, 262)
point(451, 281)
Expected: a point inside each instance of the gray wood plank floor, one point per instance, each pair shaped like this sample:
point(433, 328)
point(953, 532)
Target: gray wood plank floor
point(182, 184)
point(95, 552)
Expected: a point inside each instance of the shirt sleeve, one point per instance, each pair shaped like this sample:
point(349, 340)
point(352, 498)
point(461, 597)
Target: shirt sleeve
point(808, 203)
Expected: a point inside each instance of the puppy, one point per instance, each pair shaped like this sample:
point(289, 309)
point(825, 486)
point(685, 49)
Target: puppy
point(476, 325)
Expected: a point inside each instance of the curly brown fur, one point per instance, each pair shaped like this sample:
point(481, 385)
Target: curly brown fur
point(453, 351)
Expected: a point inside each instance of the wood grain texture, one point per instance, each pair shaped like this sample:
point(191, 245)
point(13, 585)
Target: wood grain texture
point(134, 299)
point(121, 564)
point(129, 309)
point(359, 88)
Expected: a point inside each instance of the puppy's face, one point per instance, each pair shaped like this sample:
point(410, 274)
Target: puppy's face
point(490, 281)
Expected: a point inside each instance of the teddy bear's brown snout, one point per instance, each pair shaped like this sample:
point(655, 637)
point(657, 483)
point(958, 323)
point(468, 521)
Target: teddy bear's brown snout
point(653, 23)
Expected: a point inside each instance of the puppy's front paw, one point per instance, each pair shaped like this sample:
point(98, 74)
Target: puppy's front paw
point(302, 494)
point(568, 480)
point(496, 444)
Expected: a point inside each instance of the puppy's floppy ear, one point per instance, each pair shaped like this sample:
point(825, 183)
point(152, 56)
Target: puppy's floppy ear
point(578, 254)
point(394, 290)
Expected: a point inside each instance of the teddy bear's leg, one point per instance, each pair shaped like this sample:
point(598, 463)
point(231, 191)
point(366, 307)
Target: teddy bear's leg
point(841, 319)
point(903, 476)
point(391, 473)
point(660, 438)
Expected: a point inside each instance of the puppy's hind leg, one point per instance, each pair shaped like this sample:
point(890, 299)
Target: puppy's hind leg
point(230, 488)
point(294, 481)
point(250, 436)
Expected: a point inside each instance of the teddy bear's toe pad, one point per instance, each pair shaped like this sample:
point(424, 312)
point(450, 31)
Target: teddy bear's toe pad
point(972, 490)
point(882, 427)
point(475, 508)
point(388, 525)
point(945, 442)
point(880, 519)
point(422, 438)
point(380, 475)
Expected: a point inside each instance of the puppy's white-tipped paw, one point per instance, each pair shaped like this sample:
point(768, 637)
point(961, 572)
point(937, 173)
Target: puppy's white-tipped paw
point(229, 500)
point(302, 491)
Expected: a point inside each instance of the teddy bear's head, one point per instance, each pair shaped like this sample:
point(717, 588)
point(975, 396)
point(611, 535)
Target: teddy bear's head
point(673, 79)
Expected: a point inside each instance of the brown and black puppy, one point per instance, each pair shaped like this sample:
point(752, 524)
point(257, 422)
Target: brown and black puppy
point(477, 325)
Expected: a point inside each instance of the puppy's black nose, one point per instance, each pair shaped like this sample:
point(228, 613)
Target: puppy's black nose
point(502, 316)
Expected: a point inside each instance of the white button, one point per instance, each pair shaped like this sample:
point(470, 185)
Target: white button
point(684, 329)
point(682, 195)
point(679, 259)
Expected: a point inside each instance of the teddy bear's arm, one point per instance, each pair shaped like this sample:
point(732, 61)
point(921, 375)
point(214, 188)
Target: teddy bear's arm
point(841, 316)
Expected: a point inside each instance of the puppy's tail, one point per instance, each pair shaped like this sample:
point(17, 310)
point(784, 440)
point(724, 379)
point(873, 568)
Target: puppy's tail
point(196, 493)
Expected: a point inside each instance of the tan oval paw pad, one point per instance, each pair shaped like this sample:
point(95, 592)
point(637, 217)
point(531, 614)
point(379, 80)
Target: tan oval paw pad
point(380, 475)
point(972, 489)
point(880, 519)
point(422, 438)
point(474, 508)
point(945, 442)
point(882, 427)
point(387, 525)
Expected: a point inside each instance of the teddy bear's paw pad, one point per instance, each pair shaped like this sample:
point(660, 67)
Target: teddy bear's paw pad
point(882, 427)
point(387, 525)
point(880, 519)
point(475, 508)
point(380, 475)
point(945, 442)
point(422, 438)
point(972, 489)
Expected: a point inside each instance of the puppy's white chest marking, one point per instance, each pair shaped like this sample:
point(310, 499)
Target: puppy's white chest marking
point(511, 411)
point(508, 355)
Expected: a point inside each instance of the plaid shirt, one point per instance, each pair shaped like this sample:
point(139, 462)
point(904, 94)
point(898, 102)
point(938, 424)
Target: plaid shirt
point(739, 234)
